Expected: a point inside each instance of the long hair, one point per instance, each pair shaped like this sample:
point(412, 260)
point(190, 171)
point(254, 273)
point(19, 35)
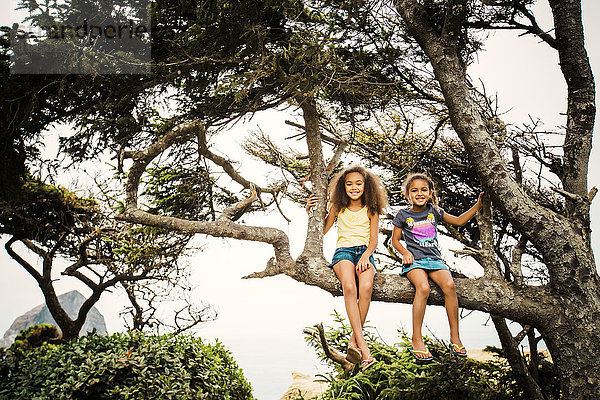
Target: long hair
point(374, 195)
point(420, 175)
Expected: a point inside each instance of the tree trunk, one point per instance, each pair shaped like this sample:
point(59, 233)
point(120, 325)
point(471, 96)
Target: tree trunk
point(581, 104)
point(68, 327)
point(573, 338)
point(313, 247)
point(534, 355)
point(516, 361)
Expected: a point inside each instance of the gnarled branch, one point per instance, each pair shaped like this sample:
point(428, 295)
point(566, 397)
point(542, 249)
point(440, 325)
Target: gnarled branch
point(330, 352)
point(225, 164)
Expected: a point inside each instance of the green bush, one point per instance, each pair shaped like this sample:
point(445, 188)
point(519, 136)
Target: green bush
point(397, 376)
point(123, 366)
point(35, 336)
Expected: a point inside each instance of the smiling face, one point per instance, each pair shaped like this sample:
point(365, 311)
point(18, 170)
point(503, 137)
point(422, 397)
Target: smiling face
point(419, 193)
point(355, 185)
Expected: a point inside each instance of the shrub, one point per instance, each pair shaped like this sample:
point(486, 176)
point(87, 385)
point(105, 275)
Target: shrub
point(397, 376)
point(123, 366)
point(35, 336)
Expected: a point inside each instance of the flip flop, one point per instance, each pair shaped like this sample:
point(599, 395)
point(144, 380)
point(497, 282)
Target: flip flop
point(353, 355)
point(455, 350)
point(415, 353)
point(366, 364)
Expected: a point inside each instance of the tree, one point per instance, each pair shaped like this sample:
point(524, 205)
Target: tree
point(440, 30)
point(55, 224)
point(573, 281)
point(421, 63)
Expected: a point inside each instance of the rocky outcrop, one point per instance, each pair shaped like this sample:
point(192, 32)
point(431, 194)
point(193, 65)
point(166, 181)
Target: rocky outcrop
point(71, 302)
point(304, 387)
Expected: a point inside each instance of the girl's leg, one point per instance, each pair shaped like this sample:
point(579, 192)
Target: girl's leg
point(345, 272)
point(418, 278)
point(444, 280)
point(365, 290)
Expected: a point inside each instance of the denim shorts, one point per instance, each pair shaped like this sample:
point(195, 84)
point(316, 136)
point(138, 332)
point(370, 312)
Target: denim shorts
point(351, 254)
point(427, 264)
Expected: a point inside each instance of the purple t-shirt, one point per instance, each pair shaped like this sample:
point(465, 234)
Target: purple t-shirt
point(420, 231)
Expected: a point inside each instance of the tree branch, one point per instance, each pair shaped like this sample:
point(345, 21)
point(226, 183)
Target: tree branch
point(325, 138)
point(521, 335)
point(339, 150)
point(488, 254)
point(581, 101)
point(225, 164)
point(515, 359)
point(330, 352)
point(44, 255)
point(28, 267)
point(279, 208)
point(237, 210)
point(592, 194)
point(456, 12)
point(515, 263)
point(84, 279)
point(142, 158)
point(138, 314)
point(535, 28)
point(220, 228)
point(313, 246)
point(271, 269)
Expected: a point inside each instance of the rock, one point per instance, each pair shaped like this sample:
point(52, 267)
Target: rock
point(71, 302)
point(304, 385)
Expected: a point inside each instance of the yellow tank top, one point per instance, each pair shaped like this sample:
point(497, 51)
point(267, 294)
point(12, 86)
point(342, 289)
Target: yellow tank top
point(354, 228)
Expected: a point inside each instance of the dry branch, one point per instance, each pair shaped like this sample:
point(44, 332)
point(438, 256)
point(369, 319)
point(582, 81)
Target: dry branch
point(330, 352)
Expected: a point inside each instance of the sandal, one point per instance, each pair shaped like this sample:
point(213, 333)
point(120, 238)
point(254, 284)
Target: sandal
point(415, 353)
point(455, 350)
point(366, 364)
point(353, 354)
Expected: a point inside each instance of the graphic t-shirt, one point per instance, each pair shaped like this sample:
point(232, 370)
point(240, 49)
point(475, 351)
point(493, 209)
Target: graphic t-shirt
point(420, 231)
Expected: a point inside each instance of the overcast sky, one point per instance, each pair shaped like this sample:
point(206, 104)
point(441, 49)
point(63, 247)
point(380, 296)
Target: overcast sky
point(261, 321)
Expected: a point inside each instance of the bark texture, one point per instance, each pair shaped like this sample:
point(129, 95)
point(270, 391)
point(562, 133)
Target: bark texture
point(581, 104)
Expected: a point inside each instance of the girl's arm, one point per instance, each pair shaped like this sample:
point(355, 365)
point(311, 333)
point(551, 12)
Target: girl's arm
point(329, 218)
point(466, 216)
point(407, 256)
point(364, 264)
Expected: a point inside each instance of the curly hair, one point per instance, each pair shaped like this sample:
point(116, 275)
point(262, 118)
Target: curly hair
point(420, 175)
point(374, 195)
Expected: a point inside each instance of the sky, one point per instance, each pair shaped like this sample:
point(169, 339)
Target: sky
point(261, 320)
